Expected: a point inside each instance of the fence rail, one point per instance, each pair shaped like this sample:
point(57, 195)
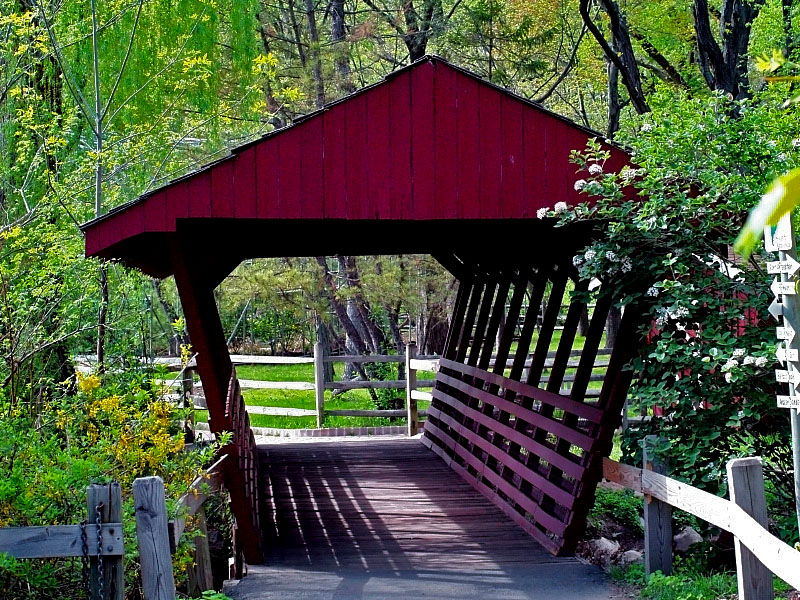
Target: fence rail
point(415, 388)
point(758, 553)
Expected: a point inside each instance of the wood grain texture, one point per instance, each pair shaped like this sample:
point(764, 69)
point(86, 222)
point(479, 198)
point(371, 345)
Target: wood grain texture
point(153, 538)
point(104, 504)
point(657, 520)
point(746, 485)
point(385, 504)
point(431, 142)
point(59, 541)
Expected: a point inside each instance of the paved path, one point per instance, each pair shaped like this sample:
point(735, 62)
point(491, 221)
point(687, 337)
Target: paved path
point(387, 519)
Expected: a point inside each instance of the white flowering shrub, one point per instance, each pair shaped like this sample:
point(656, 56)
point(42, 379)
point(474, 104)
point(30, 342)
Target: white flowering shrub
point(706, 370)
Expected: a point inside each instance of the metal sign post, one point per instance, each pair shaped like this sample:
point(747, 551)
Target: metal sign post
point(786, 306)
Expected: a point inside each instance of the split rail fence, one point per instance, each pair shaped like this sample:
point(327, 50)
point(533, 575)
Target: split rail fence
point(413, 386)
point(98, 541)
point(759, 554)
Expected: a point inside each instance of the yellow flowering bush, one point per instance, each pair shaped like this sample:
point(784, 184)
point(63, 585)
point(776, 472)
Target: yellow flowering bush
point(115, 429)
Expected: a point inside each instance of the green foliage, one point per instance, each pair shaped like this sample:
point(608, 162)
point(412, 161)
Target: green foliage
point(116, 430)
point(707, 366)
point(620, 505)
point(212, 595)
point(684, 587)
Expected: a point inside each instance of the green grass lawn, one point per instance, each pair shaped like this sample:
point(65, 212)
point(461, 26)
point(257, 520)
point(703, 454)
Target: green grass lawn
point(349, 400)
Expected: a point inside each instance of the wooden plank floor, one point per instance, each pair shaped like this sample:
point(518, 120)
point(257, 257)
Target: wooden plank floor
point(387, 518)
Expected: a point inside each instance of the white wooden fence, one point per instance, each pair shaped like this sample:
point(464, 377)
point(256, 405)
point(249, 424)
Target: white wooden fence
point(759, 554)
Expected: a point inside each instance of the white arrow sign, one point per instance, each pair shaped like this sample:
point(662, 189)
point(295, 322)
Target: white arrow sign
point(776, 309)
point(782, 287)
point(785, 333)
point(788, 266)
point(784, 354)
point(792, 376)
point(788, 401)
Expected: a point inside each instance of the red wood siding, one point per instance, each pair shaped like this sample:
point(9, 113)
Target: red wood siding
point(430, 142)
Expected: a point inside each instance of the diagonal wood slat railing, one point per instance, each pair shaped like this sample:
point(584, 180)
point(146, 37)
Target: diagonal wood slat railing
point(241, 473)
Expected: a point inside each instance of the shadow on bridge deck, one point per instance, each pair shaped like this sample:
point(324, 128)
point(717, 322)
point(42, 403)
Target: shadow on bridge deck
point(388, 519)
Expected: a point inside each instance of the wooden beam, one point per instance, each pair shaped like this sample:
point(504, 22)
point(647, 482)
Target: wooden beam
point(104, 504)
point(60, 541)
point(215, 368)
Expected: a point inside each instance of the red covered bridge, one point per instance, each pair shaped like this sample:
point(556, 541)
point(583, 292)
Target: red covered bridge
point(430, 160)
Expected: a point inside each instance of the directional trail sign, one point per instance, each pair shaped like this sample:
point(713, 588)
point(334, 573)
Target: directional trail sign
point(788, 266)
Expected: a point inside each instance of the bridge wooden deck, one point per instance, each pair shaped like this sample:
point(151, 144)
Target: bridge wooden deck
point(388, 519)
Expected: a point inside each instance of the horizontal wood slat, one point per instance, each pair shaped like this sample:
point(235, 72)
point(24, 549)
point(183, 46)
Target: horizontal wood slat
point(563, 497)
point(369, 413)
point(530, 416)
point(517, 437)
point(536, 533)
point(59, 541)
point(580, 409)
point(363, 385)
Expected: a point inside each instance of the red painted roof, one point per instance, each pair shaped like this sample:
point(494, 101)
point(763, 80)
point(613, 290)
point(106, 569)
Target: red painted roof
point(430, 143)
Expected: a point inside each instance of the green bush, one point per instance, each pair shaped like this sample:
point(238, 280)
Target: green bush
point(620, 505)
point(707, 364)
point(117, 429)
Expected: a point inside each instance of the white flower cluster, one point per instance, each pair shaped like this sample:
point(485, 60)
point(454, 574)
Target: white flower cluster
point(732, 362)
point(647, 127)
point(671, 313)
point(626, 265)
point(542, 213)
point(560, 207)
point(796, 143)
point(595, 169)
point(589, 255)
point(628, 174)
point(652, 291)
point(579, 185)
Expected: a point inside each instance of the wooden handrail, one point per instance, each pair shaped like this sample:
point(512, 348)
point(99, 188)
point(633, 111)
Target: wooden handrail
point(776, 555)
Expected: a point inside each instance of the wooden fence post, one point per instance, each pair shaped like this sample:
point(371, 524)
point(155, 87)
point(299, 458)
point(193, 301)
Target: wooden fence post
point(411, 387)
point(657, 519)
point(153, 536)
point(200, 577)
point(746, 488)
point(319, 383)
point(107, 500)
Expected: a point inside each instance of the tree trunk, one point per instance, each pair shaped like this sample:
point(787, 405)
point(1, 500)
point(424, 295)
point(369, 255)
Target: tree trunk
point(341, 61)
point(341, 313)
point(612, 326)
point(725, 68)
point(313, 36)
point(788, 28)
point(623, 58)
point(614, 106)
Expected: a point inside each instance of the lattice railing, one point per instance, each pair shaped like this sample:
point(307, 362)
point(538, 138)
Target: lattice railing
point(245, 492)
